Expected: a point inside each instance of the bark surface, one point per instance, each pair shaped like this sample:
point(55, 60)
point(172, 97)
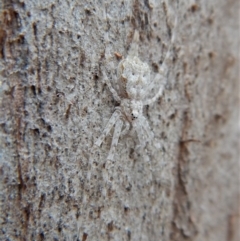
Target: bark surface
point(55, 103)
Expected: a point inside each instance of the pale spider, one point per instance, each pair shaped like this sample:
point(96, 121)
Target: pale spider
point(133, 89)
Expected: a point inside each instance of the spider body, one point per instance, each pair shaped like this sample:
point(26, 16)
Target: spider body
point(134, 86)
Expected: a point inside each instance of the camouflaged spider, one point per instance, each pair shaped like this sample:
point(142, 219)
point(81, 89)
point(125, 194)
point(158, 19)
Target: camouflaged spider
point(133, 89)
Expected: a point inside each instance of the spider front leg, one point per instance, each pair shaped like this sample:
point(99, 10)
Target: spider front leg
point(158, 94)
point(164, 67)
point(115, 116)
point(143, 130)
point(148, 132)
point(116, 135)
point(126, 129)
point(113, 91)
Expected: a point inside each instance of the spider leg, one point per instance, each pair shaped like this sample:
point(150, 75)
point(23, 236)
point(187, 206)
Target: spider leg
point(113, 91)
point(158, 94)
point(108, 127)
point(116, 135)
point(143, 130)
point(126, 129)
point(148, 132)
point(140, 133)
point(163, 67)
point(133, 51)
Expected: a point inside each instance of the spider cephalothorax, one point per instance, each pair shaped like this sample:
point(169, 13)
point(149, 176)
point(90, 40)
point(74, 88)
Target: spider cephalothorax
point(134, 86)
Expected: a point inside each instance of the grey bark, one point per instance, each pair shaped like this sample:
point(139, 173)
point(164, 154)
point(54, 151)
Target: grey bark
point(54, 105)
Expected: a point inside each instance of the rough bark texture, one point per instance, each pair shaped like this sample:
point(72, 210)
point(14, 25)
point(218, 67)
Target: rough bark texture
point(54, 105)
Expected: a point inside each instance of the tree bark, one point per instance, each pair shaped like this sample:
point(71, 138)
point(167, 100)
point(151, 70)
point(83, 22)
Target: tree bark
point(55, 184)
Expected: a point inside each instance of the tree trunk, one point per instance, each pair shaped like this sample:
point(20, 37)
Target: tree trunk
point(56, 184)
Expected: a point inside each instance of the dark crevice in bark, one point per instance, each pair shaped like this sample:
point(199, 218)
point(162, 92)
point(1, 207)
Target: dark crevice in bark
point(14, 51)
point(183, 228)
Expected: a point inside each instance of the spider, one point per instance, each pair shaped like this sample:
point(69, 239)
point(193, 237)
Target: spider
point(133, 89)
